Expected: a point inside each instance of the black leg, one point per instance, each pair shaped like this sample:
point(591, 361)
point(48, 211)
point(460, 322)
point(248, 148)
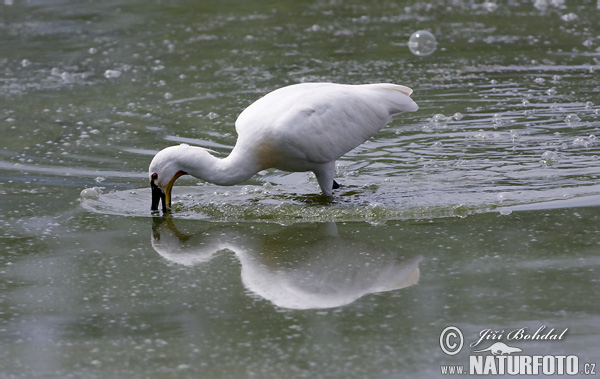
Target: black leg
point(335, 185)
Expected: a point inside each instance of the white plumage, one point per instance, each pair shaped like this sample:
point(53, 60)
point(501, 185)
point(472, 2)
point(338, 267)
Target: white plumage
point(302, 127)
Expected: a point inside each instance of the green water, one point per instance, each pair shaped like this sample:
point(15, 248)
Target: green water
point(482, 217)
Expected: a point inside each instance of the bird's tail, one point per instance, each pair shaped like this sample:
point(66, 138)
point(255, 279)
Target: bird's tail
point(396, 97)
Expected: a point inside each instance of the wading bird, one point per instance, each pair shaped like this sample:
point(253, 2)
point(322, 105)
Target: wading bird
point(301, 127)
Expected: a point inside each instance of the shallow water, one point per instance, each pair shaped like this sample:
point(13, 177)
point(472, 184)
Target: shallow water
point(480, 210)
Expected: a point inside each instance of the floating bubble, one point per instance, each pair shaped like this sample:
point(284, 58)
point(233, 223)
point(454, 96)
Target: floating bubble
point(439, 119)
point(580, 142)
point(458, 116)
point(549, 158)
point(569, 17)
point(25, 63)
point(502, 196)
point(540, 4)
point(112, 74)
point(422, 43)
point(584, 141)
point(572, 118)
point(89, 194)
point(490, 6)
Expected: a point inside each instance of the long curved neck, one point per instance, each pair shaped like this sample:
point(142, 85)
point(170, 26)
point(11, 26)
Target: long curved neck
point(227, 171)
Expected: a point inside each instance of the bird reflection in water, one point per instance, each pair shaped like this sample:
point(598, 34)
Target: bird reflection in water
point(303, 266)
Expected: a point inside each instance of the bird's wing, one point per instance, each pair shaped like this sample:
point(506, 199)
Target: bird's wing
point(320, 122)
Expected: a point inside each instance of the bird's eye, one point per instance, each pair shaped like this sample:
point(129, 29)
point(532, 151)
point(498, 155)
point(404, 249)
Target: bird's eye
point(154, 176)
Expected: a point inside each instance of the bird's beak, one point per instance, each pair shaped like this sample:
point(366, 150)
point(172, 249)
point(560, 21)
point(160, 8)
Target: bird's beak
point(157, 196)
point(164, 195)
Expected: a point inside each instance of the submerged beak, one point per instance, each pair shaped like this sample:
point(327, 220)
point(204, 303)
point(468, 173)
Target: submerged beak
point(164, 196)
point(157, 196)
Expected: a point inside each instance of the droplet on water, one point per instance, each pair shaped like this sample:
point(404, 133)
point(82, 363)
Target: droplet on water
point(422, 43)
point(569, 17)
point(584, 141)
point(549, 158)
point(540, 4)
point(112, 74)
point(502, 196)
point(580, 141)
point(490, 6)
point(89, 194)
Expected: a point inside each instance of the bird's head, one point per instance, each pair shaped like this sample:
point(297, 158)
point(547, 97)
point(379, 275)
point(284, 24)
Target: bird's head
point(164, 170)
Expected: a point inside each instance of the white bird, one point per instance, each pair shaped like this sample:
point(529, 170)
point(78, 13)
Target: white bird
point(301, 127)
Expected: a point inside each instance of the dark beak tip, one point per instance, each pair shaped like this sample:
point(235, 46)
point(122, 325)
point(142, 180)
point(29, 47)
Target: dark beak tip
point(157, 196)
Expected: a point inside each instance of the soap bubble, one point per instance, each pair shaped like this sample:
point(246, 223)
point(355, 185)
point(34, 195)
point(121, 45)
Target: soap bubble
point(422, 43)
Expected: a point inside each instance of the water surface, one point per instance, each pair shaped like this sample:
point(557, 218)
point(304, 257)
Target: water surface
point(480, 210)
